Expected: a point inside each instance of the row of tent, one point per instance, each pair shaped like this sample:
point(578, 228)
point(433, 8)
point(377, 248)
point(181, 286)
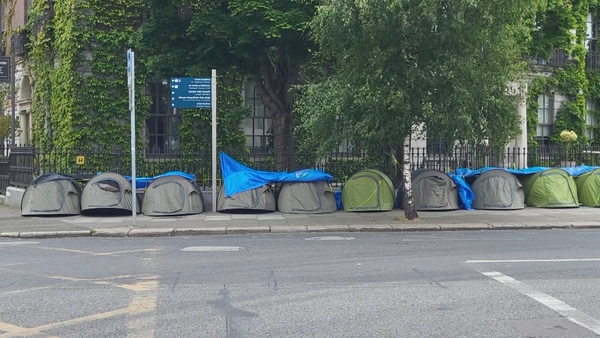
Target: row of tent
point(171, 194)
point(539, 187)
point(309, 191)
point(484, 189)
point(110, 194)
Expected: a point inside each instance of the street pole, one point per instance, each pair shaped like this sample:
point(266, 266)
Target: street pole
point(12, 96)
point(213, 104)
point(131, 85)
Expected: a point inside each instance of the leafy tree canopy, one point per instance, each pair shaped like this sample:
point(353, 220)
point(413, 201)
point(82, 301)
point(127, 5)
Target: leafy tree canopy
point(400, 63)
point(266, 39)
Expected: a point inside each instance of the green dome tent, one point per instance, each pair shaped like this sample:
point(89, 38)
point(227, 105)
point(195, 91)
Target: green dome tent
point(551, 188)
point(368, 190)
point(588, 188)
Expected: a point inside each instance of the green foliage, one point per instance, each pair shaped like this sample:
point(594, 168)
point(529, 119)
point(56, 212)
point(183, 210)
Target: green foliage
point(262, 38)
point(392, 71)
point(78, 69)
point(556, 21)
point(5, 127)
point(195, 131)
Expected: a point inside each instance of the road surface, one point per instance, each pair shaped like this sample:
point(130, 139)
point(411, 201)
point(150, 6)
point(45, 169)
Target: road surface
point(453, 284)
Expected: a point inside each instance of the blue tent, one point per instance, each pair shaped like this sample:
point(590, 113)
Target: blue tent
point(573, 171)
point(143, 182)
point(239, 178)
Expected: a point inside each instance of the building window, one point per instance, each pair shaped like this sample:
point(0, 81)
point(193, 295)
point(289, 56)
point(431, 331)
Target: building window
point(2, 12)
point(436, 145)
point(162, 125)
point(590, 119)
point(257, 125)
point(543, 131)
point(591, 34)
point(27, 9)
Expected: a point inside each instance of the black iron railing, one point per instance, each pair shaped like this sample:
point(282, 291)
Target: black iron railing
point(28, 162)
point(558, 58)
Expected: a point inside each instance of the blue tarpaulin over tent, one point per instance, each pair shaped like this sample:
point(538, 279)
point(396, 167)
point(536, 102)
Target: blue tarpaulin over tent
point(143, 182)
point(465, 193)
point(239, 178)
point(573, 171)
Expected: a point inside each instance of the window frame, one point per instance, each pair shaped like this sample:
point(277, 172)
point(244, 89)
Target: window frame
point(590, 119)
point(157, 90)
point(259, 115)
point(547, 112)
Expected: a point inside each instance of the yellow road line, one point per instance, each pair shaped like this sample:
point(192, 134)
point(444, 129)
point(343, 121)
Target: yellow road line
point(14, 292)
point(139, 305)
point(6, 327)
point(144, 301)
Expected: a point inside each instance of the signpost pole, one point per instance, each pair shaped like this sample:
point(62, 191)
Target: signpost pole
point(131, 85)
point(12, 98)
point(213, 104)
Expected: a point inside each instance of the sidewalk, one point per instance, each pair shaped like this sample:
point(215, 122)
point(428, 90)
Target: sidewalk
point(12, 224)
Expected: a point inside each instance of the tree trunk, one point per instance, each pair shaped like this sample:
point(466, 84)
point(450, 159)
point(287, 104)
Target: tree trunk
point(410, 210)
point(275, 80)
point(283, 141)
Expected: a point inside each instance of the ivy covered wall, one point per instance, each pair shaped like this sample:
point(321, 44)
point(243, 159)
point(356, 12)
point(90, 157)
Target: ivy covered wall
point(562, 25)
point(77, 60)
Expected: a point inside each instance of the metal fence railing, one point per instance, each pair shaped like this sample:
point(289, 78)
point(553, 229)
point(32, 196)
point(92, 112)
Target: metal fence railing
point(28, 162)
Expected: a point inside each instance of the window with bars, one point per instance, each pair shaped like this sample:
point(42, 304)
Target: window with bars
point(2, 19)
point(437, 145)
point(590, 119)
point(591, 34)
point(162, 125)
point(27, 9)
point(257, 125)
point(543, 130)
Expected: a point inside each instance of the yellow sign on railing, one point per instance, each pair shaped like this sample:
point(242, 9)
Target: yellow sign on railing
point(80, 160)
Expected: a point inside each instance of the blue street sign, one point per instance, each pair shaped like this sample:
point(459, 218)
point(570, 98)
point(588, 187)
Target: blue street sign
point(128, 63)
point(190, 92)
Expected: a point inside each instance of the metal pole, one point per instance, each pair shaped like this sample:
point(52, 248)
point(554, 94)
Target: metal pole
point(131, 81)
point(213, 104)
point(12, 97)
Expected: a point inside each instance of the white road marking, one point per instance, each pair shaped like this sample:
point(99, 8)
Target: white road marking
point(329, 238)
point(463, 239)
point(17, 243)
point(212, 248)
point(535, 260)
point(557, 305)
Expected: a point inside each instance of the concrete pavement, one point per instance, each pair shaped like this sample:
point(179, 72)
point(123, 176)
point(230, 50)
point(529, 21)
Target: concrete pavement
point(12, 224)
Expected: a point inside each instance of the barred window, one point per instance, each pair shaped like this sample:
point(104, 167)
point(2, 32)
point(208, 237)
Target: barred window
point(257, 126)
point(162, 125)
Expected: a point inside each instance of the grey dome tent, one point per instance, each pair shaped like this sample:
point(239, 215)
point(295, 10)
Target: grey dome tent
point(51, 195)
point(172, 195)
point(432, 190)
point(306, 198)
point(259, 199)
point(498, 189)
point(108, 193)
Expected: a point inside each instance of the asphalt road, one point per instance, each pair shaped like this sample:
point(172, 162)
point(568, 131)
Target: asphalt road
point(453, 284)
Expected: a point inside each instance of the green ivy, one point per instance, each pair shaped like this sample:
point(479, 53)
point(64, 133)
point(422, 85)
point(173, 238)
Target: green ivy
point(77, 60)
point(579, 84)
point(195, 131)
